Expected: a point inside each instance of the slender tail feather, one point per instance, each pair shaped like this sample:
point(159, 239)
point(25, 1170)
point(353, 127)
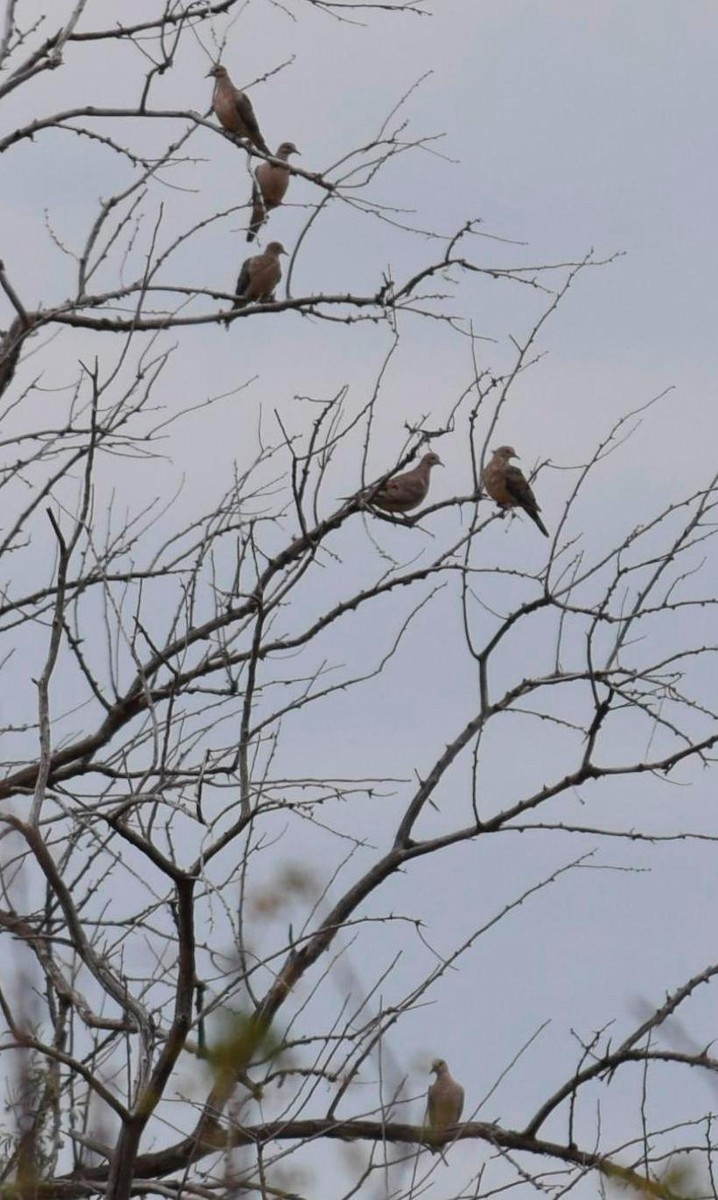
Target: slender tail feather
point(259, 214)
point(537, 521)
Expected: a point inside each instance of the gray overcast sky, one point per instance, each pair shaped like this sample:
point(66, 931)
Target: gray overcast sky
point(567, 125)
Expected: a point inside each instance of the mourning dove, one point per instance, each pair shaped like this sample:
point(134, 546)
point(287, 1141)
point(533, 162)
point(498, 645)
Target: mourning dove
point(403, 492)
point(233, 109)
point(259, 276)
point(508, 486)
point(269, 188)
point(444, 1100)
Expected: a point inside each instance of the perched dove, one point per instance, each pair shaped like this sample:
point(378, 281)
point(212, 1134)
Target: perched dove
point(406, 491)
point(444, 1100)
point(233, 109)
point(259, 276)
point(508, 486)
point(269, 188)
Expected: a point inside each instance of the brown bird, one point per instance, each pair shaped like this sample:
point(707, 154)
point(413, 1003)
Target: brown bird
point(233, 109)
point(259, 276)
point(444, 1100)
point(508, 486)
point(269, 188)
point(403, 492)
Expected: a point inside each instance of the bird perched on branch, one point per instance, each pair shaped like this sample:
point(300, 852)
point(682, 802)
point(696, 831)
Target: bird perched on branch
point(403, 492)
point(269, 188)
point(444, 1100)
point(259, 276)
point(233, 109)
point(508, 486)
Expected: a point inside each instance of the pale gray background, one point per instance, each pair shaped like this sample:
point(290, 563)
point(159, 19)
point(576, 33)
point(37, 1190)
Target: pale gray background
point(567, 125)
